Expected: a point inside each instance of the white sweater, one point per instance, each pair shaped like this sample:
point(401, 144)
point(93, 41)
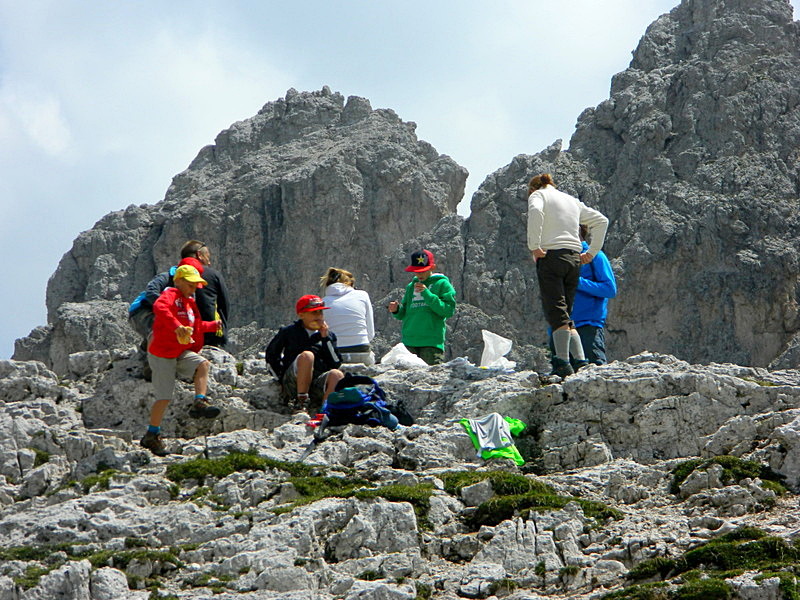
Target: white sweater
point(350, 315)
point(553, 220)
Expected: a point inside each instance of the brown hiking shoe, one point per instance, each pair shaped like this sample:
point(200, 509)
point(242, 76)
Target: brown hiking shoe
point(153, 442)
point(202, 408)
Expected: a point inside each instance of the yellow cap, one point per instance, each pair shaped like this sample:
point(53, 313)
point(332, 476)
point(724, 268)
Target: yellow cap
point(189, 273)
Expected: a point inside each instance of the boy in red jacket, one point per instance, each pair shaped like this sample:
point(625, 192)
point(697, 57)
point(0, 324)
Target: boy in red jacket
point(177, 339)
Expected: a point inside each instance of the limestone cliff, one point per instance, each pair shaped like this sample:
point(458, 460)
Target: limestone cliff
point(694, 158)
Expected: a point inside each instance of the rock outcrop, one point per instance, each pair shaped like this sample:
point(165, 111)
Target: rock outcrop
point(698, 147)
point(86, 514)
point(311, 181)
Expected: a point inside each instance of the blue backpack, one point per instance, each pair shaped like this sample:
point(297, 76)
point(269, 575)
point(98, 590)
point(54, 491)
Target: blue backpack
point(360, 400)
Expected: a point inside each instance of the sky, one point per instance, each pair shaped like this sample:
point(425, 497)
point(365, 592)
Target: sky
point(102, 103)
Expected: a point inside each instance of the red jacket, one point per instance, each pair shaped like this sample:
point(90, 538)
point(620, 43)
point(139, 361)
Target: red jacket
point(172, 310)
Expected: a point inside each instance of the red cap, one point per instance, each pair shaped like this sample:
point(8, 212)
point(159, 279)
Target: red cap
point(193, 262)
point(309, 303)
point(190, 260)
point(421, 261)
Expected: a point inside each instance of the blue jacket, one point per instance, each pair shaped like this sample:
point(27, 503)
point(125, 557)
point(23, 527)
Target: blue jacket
point(595, 286)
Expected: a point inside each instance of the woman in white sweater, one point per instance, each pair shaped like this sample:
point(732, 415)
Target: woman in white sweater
point(349, 316)
point(554, 219)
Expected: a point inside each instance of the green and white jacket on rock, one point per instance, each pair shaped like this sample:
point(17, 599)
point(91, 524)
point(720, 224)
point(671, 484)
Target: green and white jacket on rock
point(424, 313)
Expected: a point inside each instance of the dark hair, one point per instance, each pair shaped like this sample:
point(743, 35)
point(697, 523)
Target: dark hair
point(191, 248)
point(334, 275)
point(539, 181)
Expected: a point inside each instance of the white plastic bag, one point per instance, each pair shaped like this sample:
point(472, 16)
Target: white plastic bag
point(495, 347)
point(402, 357)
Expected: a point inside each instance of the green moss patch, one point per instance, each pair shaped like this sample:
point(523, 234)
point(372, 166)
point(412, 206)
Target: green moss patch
point(119, 559)
point(41, 457)
point(503, 586)
point(517, 494)
point(316, 488)
point(701, 571)
point(102, 480)
point(647, 591)
point(705, 589)
point(200, 468)
point(734, 470)
point(369, 575)
point(424, 591)
point(32, 575)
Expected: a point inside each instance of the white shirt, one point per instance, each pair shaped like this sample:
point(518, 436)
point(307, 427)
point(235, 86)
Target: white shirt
point(554, 218)
point(349, 316)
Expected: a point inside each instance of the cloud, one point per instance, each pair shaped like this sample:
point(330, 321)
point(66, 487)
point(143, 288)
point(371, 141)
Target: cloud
point(35, 116)
point(94, 117)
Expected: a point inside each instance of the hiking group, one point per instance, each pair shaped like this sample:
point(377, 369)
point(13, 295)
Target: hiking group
point(186, 308)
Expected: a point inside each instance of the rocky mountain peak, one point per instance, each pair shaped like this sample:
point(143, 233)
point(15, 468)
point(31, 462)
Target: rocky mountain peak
point(715, 30)
point(276, 197)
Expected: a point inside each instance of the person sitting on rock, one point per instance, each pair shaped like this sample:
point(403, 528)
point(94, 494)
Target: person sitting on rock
point(304, 357)
point(177, 338)
point(349, 317)
point(429, 300)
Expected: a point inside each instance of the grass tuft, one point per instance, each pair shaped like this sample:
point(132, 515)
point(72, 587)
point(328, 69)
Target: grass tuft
point(700, 572)
point(201, 468)
point(734, 469)
point(518, 494)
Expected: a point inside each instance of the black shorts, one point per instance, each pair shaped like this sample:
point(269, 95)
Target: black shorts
point(558, 273)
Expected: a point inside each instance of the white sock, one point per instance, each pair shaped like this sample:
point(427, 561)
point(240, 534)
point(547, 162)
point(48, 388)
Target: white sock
point(561, 343)
point(575, 346)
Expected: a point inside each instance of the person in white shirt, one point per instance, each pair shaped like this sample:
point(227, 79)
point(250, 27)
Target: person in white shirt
point(554, 219)
point(349, 316)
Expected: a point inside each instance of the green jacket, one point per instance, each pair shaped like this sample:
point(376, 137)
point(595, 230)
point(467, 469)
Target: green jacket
point(424, 314)
point(515, 426)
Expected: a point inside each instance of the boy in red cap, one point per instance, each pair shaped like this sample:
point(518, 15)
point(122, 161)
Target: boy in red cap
point(429, 300)
point(304, 356)
point(176, 340)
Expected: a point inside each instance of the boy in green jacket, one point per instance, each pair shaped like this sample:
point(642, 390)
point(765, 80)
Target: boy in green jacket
point(428, 301)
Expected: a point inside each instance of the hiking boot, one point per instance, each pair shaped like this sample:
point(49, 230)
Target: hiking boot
point(561, 367)
point(300, 404)
point(153, 442)
point(579, 364)
point(202, 408)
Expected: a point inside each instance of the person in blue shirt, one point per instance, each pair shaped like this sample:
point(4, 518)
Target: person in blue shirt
point(590, 308)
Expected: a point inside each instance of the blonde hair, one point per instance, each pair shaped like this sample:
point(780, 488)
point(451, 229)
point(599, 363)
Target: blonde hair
point(334, 275)
point(539, 182)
